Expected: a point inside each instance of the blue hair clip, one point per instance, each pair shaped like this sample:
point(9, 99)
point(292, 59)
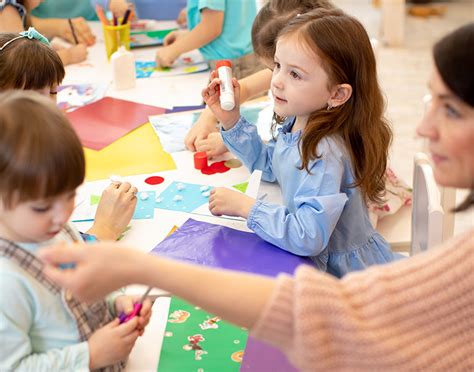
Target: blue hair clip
point(33, 34)
point(30, 34)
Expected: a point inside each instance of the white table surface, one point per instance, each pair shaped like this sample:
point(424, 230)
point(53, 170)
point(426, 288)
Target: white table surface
point(145, 234)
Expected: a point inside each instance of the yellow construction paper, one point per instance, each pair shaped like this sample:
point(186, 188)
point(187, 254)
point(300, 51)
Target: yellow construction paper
point(138, 152)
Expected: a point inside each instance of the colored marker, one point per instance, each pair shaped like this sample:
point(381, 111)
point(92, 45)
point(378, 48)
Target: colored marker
point(126, 17)
point(101, 15)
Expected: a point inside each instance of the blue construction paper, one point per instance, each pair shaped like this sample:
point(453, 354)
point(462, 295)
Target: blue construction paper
point(144, 69)
point(220, 246)
point(191, 194)
point(145, 208)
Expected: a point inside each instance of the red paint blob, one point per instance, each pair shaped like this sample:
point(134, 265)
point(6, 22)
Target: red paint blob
point(217, 167)
point(154, 180)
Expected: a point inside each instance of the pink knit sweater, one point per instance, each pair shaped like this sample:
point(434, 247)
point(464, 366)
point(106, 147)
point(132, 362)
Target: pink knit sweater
point(415, 314)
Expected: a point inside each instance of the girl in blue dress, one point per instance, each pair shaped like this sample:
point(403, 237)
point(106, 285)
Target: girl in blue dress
point(330, 154)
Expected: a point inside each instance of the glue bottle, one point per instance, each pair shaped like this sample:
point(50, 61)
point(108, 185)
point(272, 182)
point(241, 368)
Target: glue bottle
point(224, 70)
point(123, 69)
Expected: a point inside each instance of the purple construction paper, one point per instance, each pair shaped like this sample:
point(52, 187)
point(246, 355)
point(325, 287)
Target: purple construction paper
point(259, 356)
point(220, 246)
point(184, 108)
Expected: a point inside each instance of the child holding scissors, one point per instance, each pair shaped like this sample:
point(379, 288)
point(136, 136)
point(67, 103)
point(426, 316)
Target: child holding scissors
point(42, 327)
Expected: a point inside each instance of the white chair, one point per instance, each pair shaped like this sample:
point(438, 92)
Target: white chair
point(427, 212)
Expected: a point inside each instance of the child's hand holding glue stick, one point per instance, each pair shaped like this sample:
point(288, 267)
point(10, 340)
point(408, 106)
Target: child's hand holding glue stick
point(222, 95)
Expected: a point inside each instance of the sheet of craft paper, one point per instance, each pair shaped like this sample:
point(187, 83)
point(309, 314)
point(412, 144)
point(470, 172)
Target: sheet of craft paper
point(73, 96)
point(86, 209)
point(171, 129)
point(102, 122)
point(220, 246)
point(138, 152)
point(198, 341)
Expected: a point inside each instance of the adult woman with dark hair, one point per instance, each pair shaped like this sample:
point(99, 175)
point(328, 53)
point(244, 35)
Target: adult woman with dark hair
point(415, 314)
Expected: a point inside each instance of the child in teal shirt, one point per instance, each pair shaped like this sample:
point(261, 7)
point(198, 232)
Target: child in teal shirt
point(221, 30)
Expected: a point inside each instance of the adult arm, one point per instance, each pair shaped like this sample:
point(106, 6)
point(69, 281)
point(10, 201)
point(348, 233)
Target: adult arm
point(411, 314)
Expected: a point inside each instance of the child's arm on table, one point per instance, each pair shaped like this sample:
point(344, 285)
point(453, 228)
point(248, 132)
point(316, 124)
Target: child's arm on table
point(88, 280)
point(74, 54)
point(51, 27)
point(196, 139)
point(114, 212)
point(179, 42)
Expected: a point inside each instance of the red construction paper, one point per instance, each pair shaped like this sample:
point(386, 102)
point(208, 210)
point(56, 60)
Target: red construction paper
point(106, 120)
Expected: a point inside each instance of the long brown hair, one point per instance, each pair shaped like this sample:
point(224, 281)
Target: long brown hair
point(275, 15)
point(28, 64)
point(40, 154)
point(347, 57)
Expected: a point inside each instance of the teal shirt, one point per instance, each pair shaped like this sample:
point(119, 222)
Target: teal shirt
point(65, 9)
point(37, 331)
point(235, 39)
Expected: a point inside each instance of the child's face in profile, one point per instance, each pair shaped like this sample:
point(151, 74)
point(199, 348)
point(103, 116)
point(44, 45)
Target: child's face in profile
point(36, 221)
point(299, 82)
point(51, 92)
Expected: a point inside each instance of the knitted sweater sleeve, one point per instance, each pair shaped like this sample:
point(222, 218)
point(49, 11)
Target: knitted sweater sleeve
point(415, 314)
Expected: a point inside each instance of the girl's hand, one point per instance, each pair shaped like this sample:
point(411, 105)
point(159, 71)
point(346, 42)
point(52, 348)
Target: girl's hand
point(81, 29)
point(165, 56)
point(99, 269)
point(125, 304)
point(112, 343)
point(115, 210)
point(206, 124)
point(211, 94)
point(213, 145)
point(229, 202)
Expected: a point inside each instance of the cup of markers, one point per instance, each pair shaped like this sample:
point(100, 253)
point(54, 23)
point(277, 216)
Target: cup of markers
point(116, 31)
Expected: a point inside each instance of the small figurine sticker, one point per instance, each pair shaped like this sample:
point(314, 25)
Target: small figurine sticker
point(210, 323)
point(193, 344)
point(178, 316)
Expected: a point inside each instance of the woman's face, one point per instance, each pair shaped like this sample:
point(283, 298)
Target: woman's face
point(448, 125)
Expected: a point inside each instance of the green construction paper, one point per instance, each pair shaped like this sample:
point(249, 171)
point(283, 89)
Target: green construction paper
point(241, 186)
point(95, 199)
point(214, 353)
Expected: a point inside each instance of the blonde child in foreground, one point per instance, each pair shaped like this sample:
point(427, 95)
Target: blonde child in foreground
point(41, 327)
point(330, 154)
point(415, 314)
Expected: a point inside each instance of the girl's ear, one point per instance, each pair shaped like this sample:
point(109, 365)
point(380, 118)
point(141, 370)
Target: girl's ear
point(339, 95)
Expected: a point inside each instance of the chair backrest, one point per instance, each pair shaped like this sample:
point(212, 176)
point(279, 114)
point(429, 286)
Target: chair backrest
point(427, 212)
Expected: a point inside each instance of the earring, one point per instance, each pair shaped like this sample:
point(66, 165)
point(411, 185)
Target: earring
point(329, 107)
